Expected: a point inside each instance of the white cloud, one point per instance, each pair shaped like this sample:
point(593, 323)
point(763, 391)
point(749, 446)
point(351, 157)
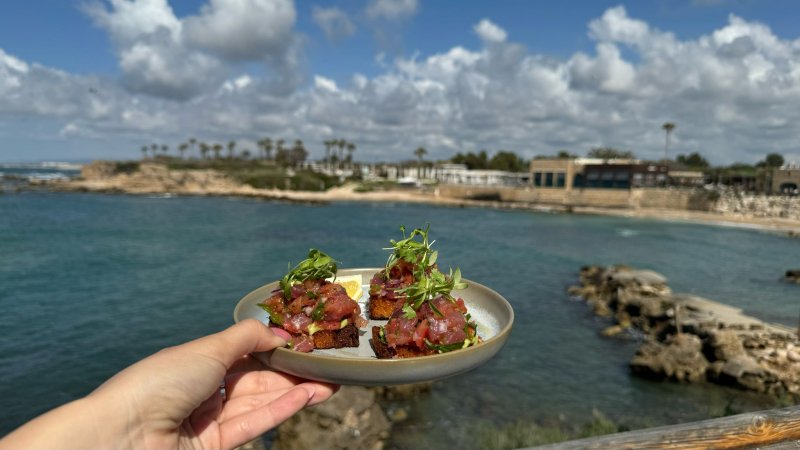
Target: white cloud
point(325, 84)
point(732, 92)
point(391, 9)
point(489, 32)
point(164, 56)
point(334, 22)
point(242, 30)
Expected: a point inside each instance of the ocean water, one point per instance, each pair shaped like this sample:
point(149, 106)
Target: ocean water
point(91, 283)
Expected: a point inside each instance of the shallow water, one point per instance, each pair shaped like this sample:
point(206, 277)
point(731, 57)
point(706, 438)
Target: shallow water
point(91, 283)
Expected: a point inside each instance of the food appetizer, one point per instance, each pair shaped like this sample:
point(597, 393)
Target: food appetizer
point(426, 318)
point(316, 312)
point(408, 257)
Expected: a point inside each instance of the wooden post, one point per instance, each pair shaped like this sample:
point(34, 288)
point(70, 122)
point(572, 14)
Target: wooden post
point(779, 428)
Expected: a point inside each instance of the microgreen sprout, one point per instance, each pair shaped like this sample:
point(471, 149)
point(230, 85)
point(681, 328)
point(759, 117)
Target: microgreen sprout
point(318, 265)
point(411, 250)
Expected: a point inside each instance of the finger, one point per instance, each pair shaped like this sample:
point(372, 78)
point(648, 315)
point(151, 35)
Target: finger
point(246, 403)
point(245, 427)
point(242, 403)
point(259, 382)
point(231, 344)
point(322, 392)
point(253, 383)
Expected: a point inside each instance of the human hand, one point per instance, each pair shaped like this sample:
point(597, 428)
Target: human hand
point(172, 399)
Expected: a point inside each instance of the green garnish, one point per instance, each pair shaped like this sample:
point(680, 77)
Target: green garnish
point(318, 265)
point(428, 287)
point(319, 311)
point(416, 252)
point(408, 312)
point(273, 317)
point(445, 348)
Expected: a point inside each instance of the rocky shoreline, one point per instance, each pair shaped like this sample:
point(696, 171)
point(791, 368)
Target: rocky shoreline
point(691, 339)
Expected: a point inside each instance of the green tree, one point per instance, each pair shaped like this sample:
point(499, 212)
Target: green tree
point(217, 148)
point(694, 160)
point(182, 149)
point(192, 142)
point(774, 160)
point(420, 152)
point(563, 154)
point(298, 153)
point(668, 128)
point(204, 148)
point(610, 153)
point(144, 151)
point(508, 161)
point(165, 149)
point(473, 161)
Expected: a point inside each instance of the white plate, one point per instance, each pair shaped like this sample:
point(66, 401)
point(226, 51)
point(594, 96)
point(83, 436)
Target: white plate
point(359, 366)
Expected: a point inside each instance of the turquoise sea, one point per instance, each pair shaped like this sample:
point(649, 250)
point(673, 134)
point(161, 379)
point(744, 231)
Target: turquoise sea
point(91, 283)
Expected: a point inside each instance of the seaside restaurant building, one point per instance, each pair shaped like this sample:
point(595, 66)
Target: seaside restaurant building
point(579, 173)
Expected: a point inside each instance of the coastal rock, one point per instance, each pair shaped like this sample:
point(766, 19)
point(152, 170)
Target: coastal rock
point(402, 391)
point(725, 345)
point(351, 419)
point(679, 359)
point(745, 372)
point(99, 170)
point(793, 276)
point(690, 338)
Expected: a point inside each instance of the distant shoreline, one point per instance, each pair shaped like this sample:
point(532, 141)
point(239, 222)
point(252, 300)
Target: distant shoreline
point(783, 226)
point(157, 179)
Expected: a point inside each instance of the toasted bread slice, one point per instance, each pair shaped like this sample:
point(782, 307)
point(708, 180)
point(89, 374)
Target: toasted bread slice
point(345, 337)
point(383, 351)
point(381, 308)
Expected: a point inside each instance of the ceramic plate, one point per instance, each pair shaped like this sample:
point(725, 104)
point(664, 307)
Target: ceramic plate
point(359, 366)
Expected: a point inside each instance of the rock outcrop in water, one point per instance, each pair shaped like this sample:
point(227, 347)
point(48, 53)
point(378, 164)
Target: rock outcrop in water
point(689, 338)
point(793, 276)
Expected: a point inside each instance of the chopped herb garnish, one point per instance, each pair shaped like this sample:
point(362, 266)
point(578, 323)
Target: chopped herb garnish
point(317, 266)
point(319, 311)
point(444, 348)
point(408, 312)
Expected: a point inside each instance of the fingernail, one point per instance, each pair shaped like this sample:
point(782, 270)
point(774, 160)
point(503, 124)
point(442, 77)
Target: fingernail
point(310, 390)
point(281, 333)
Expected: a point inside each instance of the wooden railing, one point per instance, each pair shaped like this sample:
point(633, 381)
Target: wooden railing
point(773, 430)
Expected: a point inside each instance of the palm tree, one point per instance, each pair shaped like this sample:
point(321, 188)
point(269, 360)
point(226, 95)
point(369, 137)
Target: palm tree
point(164, 149)
point(192, 141)
point(341, 143)
point(419, 153)
point(351, 147)
point(668, 127)
point(182, 149)
point(328, 145)
point(268, 148)
point(231, 146)
point(217, 148)
point(144, 152)
point(204, 150)
point(153, 150)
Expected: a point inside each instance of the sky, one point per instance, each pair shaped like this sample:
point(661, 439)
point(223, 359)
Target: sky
point(90, 79)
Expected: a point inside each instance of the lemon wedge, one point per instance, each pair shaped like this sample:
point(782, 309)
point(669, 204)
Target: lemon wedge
point(352, 285)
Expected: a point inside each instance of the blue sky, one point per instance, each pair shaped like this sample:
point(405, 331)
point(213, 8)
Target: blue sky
point(92, 79)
